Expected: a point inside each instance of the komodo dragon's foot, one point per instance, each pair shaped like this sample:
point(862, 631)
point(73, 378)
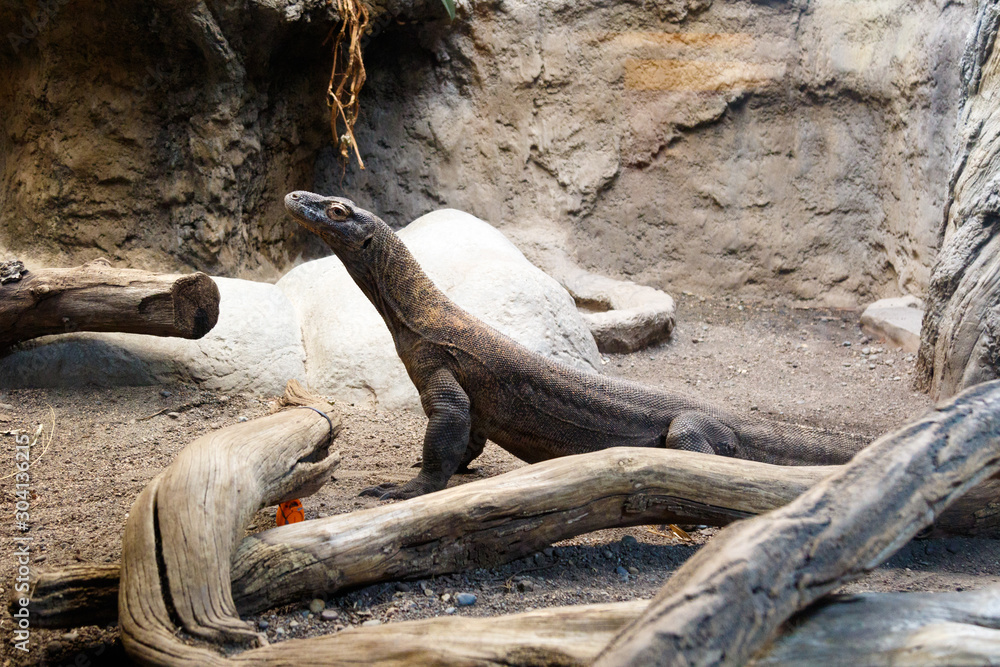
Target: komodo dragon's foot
point(393, 491)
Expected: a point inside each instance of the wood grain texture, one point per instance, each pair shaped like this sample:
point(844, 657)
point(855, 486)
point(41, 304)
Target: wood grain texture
point(727, 601)
point(185, 524)
point(98, 297)
point(489, 522)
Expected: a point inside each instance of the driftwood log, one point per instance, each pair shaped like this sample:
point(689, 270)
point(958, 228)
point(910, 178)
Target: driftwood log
point(880, 629)
point(960, 336)
point(728, 600)
point(97, 297)
point(485, 523)
point(183, 528)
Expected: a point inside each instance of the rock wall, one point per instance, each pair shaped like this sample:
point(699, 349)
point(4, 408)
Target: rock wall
point(796, 147)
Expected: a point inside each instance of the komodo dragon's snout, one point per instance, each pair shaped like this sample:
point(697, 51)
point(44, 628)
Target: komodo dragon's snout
point(339, 221)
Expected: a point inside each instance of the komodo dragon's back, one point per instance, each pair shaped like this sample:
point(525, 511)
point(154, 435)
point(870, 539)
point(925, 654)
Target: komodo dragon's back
point(476, 383)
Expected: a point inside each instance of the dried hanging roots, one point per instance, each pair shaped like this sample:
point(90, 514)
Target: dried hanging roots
point(347, 76)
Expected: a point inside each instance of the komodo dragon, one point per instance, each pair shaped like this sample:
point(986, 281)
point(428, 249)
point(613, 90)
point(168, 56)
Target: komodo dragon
point(476, 383)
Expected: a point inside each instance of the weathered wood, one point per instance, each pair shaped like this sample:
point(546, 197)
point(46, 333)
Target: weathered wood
point(183, 527)
point(960, 335)
point(892, 629)
point(488, 522)
point(726, 601)
point(872, 629)
point(97, 297)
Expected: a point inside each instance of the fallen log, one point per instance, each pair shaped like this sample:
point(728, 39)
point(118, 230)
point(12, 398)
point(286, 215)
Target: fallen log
point(486, 523)
point(728, 599)
point(97, 297)
point(872, 629)
point(183, 527)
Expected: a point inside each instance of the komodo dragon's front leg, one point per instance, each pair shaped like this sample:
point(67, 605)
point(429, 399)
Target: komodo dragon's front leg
point(445, 442)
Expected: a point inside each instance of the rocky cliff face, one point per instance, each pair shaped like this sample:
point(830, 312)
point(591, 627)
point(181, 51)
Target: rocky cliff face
point(799, 148)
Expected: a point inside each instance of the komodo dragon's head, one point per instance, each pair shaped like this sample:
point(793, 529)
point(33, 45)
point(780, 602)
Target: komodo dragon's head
point(347, 229)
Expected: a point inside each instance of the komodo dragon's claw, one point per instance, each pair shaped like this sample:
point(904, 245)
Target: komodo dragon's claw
point(379, 491)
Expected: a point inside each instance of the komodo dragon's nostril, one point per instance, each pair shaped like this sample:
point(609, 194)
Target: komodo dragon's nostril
point(295, 196)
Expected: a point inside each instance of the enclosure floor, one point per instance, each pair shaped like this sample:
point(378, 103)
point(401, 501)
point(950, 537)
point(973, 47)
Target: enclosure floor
point(770, 360)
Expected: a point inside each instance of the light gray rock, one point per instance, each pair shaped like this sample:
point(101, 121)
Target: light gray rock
point(256, 346)
point(350, 353)
point(897, 321)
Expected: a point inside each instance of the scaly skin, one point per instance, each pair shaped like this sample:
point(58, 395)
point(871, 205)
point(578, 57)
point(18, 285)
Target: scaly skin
point(477, 384)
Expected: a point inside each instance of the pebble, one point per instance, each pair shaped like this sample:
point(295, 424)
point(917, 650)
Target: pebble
point(428, 592)
point(329, 615)
point(279, 631)
point(465, 599)
point(293, 624)
point(608, 554)
point(633, 570)
point(525, 586)
point(446, 598)
point(449, 610)
point(846, 343)
point(403, 587)
point(241, 419)
point(370, 622)
point(70, 636)
point(317, 605)
point(952, 549)
point(866, 350)
point(6, 406)
point(549, 552)
point(263, 625)
point(173, 415)
point(165, 394)
point(622, 573)
point(629, 541)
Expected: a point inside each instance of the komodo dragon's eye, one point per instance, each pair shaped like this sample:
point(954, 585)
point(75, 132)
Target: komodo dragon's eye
point(337, 211)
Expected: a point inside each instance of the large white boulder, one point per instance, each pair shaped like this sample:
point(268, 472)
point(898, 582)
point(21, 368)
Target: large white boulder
point(256, 346)
point(349, 351)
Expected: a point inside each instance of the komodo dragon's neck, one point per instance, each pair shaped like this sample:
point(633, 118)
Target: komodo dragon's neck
point(400, 290)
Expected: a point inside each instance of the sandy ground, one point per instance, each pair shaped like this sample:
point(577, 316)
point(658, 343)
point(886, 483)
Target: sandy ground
point(810, 366)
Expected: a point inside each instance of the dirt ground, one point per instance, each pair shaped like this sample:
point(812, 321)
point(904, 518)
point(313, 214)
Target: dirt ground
point(810, 366)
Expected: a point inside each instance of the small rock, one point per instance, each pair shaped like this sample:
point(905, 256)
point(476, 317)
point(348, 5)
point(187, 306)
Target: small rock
point(329, 615)
point(263, 625)
point(241, 419)
point(370, 622)
point(449, 610)
point(446, 598)
point(608, 554)
point(622, 573)
point(465, 599)
point(428, 592)
point(173, 415)
point(846, 343)
point(951, 548)
point(629, 541)
point(538, 558)
point(6, 406)
point(53, 648)
point(279, 631)
point(866, 350)
point(633, 570)
point(165, 394)
point(525, 586)
point(317, 605)
point(549, 552)
point(293, 624)
point(70, 636)
point(403, 587)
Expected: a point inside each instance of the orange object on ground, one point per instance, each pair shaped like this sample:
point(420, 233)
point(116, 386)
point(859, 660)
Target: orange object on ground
point(290, 512)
